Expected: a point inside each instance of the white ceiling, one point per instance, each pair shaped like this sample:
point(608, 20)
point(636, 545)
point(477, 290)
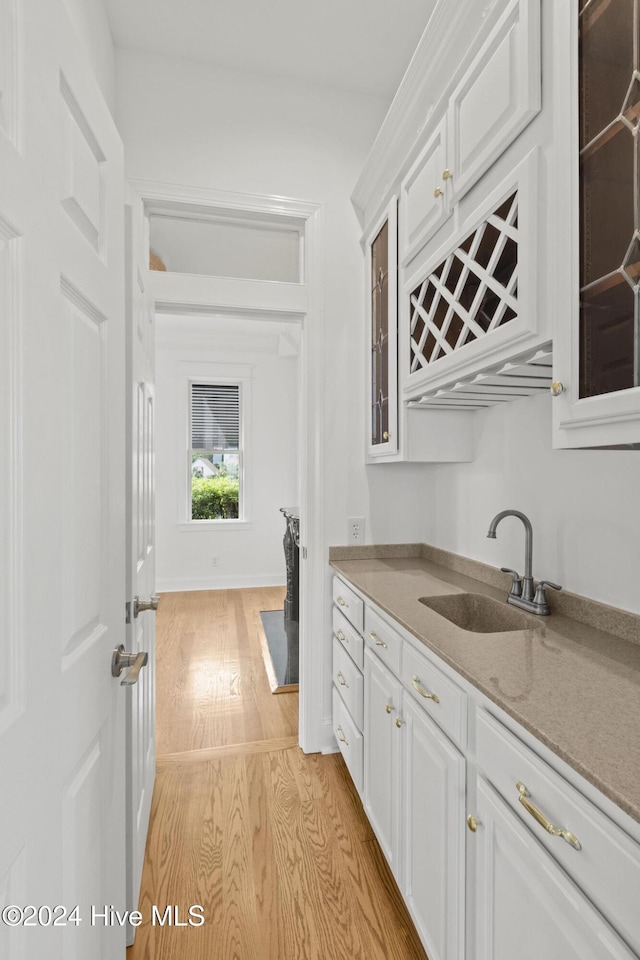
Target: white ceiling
point(358, 45)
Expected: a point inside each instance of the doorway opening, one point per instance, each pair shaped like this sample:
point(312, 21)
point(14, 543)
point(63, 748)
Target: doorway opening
point(228, 463)
point(299, 301)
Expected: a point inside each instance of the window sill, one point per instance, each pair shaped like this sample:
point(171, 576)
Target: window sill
point(210, 525)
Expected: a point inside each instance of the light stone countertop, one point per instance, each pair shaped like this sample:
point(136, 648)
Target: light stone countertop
point(573, 685)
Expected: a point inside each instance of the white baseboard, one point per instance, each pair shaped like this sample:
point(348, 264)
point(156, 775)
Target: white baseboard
point(234, 582)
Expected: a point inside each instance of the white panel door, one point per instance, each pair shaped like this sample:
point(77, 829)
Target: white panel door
point(526, 905)
point(62, 473)
point(141, 541)
point(433, 834)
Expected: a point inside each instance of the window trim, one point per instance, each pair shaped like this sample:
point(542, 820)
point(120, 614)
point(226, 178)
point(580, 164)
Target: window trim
point(242, 522)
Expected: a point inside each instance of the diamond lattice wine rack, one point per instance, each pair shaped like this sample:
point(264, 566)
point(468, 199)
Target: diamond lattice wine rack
point(471, 293)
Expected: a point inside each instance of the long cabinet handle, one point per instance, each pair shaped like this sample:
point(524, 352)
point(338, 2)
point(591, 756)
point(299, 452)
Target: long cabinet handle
point(341, 680)
point(544, 821)
point(376, 639)
point(340, 735)
point(421, 690)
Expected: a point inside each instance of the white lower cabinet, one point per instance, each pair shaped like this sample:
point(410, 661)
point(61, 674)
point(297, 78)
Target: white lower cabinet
point(432, 750)
point(382, 697)
point(433, 833)
point(525, 904)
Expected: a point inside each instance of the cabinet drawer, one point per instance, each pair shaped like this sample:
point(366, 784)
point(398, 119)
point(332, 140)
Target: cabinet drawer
point(383, 639)
point(350, 639)
point(607, 865)
point(348, 603)
point(349, 682)
point(349, 739)
point(424, 681)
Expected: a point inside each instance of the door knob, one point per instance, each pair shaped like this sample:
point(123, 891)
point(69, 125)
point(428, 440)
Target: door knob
point(121, 660)
point(139, 606)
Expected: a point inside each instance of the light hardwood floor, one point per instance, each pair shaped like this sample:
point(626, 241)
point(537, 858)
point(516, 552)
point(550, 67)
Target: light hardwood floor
point(273, 843)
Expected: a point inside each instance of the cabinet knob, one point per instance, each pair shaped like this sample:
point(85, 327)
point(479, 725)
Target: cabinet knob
point(399, 722)
point(438, 192)
point(473, 823)
point(386, 435)
point(447, 175)
point(389, 708)
point(557, 388)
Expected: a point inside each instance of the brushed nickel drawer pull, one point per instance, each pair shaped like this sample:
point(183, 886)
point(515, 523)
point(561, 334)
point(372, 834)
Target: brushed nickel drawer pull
point(341, 680)
point(542, 820)
point(421, 690)
point(341, 637)
point(378, 642)
point(340, 735)
point(341, 602)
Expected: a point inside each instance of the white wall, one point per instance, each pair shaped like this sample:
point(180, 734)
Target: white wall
point(92, 26)
point(252, 554)
point(583, 505)
point(193, 124)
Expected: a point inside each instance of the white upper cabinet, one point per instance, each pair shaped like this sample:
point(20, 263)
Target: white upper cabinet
point(597, 325)
point(425, 195)
point(474, 301)
point(382, 296)
point(497, 97)
point(467, 243)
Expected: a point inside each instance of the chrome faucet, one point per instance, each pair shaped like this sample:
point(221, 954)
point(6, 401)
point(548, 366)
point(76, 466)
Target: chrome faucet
point(522, 593)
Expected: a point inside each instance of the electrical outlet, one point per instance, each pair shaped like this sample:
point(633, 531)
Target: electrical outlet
point(215, 561)
point(355, 530)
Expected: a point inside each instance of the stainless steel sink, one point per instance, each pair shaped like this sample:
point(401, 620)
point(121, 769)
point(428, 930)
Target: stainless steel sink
point(479, 614)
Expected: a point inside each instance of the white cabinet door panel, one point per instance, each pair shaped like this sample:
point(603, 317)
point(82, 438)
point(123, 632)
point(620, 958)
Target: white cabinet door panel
point(424, 202)
point(527, 907)
point(433, 836)
point(382, 697)
point(497, 97)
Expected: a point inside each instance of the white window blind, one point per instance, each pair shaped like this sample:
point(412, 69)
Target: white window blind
point(215, 416)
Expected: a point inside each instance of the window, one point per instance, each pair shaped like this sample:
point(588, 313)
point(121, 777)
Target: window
point(215, 455)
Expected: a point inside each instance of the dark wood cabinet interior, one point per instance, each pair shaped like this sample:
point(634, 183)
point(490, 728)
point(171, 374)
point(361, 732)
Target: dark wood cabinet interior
point(380, 337)
point(609, 111)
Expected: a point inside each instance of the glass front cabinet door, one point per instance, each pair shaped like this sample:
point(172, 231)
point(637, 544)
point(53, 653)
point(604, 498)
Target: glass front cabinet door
point(382, 297)
point(597, 370)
